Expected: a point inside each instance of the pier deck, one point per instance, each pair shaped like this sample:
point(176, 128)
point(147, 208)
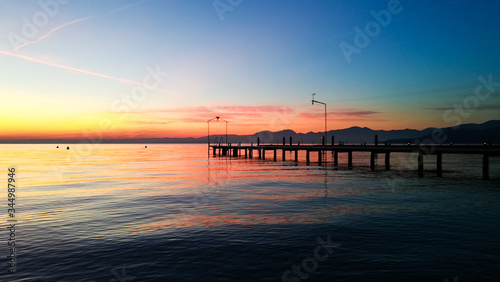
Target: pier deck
point(247, 151)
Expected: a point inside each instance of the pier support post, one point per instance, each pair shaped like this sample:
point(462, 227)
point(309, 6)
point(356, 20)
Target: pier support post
point(388, 161)
point(307, 157)
point(283, 152)
point(335, 159)
point(320, 155)
point(439, 164)
point(250, 153)
point(275, 153)
point(296, 156)
point(263, 154)
point(235, 152)
point(258, 141)
point(215, 151)
point(486, 167)
point(260, 154)
point(349, 159)
point(420, 164)
point(372, 160)
point(246, 153)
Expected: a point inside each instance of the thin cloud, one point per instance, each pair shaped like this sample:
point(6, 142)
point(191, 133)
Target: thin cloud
point(479, 108)
point(341, 113)
point(262, 109)
point(124, 7)
point(149, 122)
point(243, 110)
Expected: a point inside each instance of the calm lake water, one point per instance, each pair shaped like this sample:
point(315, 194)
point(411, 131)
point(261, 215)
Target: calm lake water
point(169, 213)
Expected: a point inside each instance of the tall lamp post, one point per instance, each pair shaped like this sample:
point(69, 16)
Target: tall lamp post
point(314, 101)
point(208, 125)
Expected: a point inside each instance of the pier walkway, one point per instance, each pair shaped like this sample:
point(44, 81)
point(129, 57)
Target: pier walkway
point(247, 151)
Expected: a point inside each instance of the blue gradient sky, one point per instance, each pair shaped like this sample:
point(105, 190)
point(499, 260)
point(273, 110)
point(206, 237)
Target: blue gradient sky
point(255, 65)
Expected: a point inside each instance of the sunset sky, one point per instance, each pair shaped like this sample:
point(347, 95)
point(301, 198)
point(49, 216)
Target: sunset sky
point(132, 69)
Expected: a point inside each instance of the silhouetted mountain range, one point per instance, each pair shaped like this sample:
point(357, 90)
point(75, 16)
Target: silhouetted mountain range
point(463, 134)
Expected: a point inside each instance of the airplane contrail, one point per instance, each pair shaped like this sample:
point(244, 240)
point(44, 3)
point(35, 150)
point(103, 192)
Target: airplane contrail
point(31, 59)
point(77, 21)
point(51, 31)
point(77, 70)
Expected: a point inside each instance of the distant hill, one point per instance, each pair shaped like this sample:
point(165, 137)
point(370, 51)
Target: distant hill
point(466, 133)
point(463, 134)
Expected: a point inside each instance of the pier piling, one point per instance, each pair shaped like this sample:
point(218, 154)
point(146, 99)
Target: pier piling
point(420, 164)
point(372, 160)
point(388, 161)
point(486, 167)
point(439, 164)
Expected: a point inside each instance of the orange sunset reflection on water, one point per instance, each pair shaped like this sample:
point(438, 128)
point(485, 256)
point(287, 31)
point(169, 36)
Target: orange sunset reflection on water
point(131, 189)
point(158, 188)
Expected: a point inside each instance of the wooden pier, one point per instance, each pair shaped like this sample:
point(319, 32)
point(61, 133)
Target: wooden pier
point(247, 151)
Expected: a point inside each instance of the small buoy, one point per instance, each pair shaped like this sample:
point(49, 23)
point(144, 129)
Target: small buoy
point(57, 147)
point(67, 148)
point(145, 146)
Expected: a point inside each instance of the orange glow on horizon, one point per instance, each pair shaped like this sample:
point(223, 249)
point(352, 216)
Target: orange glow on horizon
point(51, 122)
